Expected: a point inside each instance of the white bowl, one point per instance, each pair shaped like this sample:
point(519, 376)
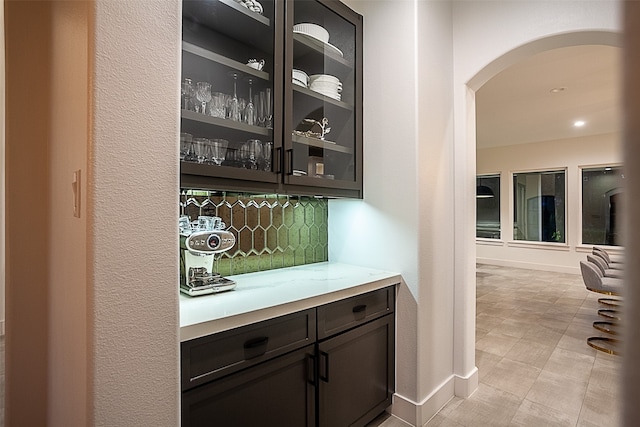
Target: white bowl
point(313, 30)
point(323, 78)
point(301, 75)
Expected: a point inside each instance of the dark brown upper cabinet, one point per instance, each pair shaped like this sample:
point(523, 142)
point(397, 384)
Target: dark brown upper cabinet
point(272, 97)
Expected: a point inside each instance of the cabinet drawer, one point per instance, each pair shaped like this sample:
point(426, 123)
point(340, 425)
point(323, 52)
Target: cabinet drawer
point(207, 358)
point(345, 314)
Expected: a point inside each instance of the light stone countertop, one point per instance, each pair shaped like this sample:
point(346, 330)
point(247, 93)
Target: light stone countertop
point(268, 294)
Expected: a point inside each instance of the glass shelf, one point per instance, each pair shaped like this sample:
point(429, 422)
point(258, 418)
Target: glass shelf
point(215, 58)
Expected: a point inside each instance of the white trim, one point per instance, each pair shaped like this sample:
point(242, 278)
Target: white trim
point(539, 245)
point(466, 386)
point(564, 169)
point(581, 169)
point(489, 242)
point(588, 248)
point(528, 265)
point(419, 413)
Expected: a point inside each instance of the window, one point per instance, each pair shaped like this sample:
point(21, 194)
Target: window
point(601, 194)
point(488, 206)
point(539, 206)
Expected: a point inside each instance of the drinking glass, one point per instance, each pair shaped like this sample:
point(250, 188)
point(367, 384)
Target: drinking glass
point(268, 108)
point(203, 94)
point(186, 95)
point(267, 153)
point(234, 110)
point(218, 150)
point(249, 111)
point(200, 146)
point(186, 146)
point(258, 100)
point(252, 153)
point(217, 105)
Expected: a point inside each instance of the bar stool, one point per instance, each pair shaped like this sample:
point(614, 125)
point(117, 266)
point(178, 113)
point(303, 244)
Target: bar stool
point(594, 281)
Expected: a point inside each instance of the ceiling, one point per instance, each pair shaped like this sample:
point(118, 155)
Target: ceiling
point(517, 105)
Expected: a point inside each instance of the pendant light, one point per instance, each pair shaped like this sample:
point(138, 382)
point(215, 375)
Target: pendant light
point(484, 192)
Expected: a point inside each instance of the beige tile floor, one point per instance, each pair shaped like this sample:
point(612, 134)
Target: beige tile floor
point(535, 367)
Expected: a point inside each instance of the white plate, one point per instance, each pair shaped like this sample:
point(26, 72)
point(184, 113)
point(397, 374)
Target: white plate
point(335, 96)
point(298, 82)
point(328, 46)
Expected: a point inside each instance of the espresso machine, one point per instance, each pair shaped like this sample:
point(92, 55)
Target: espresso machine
point(201, 242)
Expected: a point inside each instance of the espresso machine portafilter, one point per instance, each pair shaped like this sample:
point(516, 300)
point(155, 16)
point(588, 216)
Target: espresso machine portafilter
point(201, 242)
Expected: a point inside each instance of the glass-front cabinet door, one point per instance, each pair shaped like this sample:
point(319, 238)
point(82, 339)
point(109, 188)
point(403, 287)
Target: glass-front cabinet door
point(231, 91)
point(323, 96)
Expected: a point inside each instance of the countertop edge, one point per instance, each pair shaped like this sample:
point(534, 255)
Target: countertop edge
point(219, 325)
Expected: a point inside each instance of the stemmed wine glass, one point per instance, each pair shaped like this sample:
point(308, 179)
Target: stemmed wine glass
point(218, 150)
point(259, 102)
point(203, 94)
point(249, 111)
point(267, 150)
point(268, 108)
point(234, 109)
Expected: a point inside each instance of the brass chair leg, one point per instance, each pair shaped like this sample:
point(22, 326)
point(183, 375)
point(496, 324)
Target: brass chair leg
point(612, 302)
point(608, 327)
point(604, 344)
point(609, 314)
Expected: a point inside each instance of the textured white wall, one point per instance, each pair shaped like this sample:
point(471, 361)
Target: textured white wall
point(570, 153)
point(133, 188)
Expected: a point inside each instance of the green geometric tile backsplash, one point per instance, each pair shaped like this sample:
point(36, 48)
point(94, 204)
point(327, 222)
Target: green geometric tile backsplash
point(272, 231)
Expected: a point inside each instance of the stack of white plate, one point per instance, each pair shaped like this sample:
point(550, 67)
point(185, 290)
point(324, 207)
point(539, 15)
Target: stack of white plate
point(316, 31)
point(300, 78)
point(327, 85)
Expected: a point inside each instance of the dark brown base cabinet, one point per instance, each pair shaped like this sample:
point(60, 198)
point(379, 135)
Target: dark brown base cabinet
point(274, 393)
point(343, 376)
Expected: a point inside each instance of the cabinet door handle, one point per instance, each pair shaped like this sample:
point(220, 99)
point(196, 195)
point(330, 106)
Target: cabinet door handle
point(289, 155)
point(256, 342)
point(325, 377)
point(311, 370)
point(278, 160)
point(359, 308)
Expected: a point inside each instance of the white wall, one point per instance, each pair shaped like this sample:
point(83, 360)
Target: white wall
point(403, 224)
point(424, 146)
point(572, 154)
point(133, 188)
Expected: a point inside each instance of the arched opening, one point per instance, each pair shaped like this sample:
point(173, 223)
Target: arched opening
point(566, 42)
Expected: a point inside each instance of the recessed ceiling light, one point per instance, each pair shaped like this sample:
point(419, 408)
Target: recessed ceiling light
point(558, 89)
point(579, 123)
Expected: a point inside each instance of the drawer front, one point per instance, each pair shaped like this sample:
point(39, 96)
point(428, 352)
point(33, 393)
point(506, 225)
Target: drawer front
point(211, 357)
point(348, 313)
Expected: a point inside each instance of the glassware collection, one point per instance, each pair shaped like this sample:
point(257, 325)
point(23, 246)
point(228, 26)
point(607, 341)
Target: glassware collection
point(252, 154)
point(271, 86)
point(257, 110)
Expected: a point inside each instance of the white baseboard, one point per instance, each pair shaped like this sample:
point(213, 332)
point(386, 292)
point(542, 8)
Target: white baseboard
point(419, 413)
point(466, 386)
point(529, 265)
